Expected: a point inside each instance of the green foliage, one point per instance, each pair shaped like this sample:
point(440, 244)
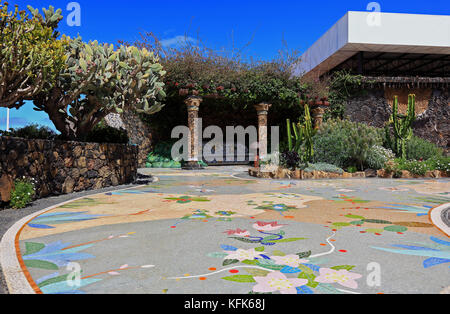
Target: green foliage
point(97, 80)
point(161, 157)
point(103, 133)
point(420, 149)
point(22, 194)
point(344, 143)
point(32, 131)
point(402, 125)
point(229, 83)
point(323, 167)
point(30, 53)
point(303, 134)
point(291, 160)
point(342, 86)
point(378, 156)
point(418, 167)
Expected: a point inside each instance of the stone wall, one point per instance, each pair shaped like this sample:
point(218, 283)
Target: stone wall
point(374, 107)
point(138, 133)
point(64, 167)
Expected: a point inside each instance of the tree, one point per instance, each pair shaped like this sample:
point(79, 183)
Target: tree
point(30, 53)
point(98, 80)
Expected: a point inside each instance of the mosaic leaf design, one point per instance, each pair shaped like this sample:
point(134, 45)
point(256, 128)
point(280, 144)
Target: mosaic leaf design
point(46, 221)
point(240, 278)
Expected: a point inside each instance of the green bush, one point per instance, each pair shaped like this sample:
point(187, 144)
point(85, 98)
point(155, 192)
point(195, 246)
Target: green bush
point(161, 157)
point(420, 149)
point(378, 156)
point(344, 143)
point(22, 194)
point(324, 167)
point(418, 167)
point(103, 133)
point(32, 131)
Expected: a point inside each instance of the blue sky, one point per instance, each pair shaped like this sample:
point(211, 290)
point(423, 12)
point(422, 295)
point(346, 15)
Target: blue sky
point(217, 23)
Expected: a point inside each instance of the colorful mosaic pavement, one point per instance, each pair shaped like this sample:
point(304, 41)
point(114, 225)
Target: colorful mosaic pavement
point(220, 231)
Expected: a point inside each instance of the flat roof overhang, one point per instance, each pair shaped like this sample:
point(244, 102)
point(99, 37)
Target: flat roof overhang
point(410, 36)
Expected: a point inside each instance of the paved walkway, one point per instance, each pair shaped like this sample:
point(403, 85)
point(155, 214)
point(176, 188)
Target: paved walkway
point(220, 231)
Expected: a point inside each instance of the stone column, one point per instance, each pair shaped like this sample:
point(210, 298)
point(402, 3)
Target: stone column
point(262, 110)
point(317, 116)
point(195, 152)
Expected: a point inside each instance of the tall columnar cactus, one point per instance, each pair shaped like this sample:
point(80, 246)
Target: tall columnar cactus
point(402, 125)
point(303, 134)
point(30, 54)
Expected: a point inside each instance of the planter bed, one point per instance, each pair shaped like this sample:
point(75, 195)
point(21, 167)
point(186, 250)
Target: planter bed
point(316, 175)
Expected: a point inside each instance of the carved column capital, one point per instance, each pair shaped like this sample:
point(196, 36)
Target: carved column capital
point(263, 108)
point(193, 103)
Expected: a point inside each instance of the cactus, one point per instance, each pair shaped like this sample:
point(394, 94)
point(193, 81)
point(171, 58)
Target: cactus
point(402, 125)
point(303, 134)
point(30, 53)
point(99, 80)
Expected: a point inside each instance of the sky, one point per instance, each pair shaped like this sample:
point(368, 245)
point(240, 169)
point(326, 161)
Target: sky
point(226, 23)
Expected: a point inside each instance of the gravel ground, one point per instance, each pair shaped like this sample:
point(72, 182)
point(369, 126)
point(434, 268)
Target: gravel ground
point(9, 216)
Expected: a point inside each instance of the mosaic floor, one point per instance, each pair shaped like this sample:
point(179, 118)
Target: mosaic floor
point(218, 231)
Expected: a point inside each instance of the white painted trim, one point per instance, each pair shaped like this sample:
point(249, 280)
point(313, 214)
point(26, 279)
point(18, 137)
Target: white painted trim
point(435, 216)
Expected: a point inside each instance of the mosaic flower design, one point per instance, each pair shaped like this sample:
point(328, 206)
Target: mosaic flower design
point(242, 255)
point(187, 199)
point(292, 260)
point(276, 207)
point(238, 232)
point(267, 226)
point(277, 281)
point(341, 276)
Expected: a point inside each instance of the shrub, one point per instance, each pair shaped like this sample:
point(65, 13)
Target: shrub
point(22, 194)
point(291, 160)
point(103, 133)
point(441, 163)
point(161, 157)
point(344, 143)
point(418, 167)
point(324, 167)
point(420, 149)
point(32, 131)
point(378, 156)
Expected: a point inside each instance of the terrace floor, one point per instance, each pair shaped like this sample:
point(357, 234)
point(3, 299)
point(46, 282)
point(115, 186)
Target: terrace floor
point(219, 231)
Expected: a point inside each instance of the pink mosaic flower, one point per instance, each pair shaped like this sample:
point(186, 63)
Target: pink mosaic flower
point(289, 260)
point(276, 281)
point(342, 277)
point(267, 226)
point(238, 232)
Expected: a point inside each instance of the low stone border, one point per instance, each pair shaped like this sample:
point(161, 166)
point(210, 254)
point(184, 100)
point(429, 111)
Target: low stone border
point(316, 175)
point(408, 175)
point(302, 175)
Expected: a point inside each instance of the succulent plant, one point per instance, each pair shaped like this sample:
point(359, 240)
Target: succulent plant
point(30, 53)
point(402, 125)
point(99, 80)
point(303, 134)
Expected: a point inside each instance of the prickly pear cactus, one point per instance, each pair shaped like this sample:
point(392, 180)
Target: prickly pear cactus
point(30, 54)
